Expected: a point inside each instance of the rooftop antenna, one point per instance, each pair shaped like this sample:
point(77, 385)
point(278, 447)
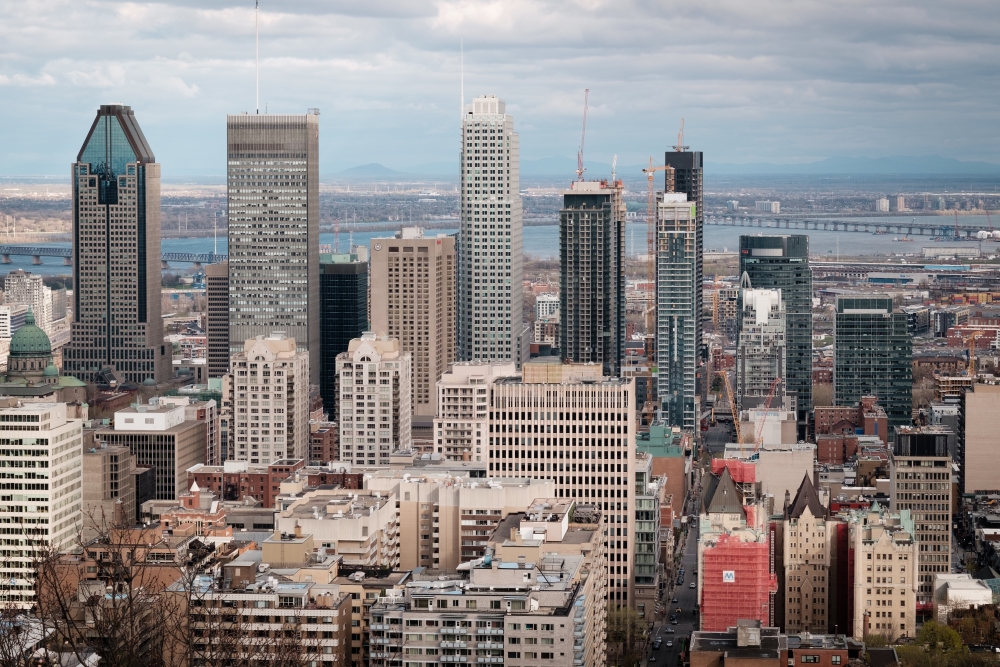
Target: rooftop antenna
point(614, 165)
point(256, 48)
point(461, 103)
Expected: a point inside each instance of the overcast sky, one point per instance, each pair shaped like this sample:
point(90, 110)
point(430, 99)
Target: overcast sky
point(760, 80)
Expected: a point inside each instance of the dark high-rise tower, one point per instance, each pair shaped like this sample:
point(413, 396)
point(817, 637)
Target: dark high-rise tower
point(217, 321)
point(592, 274)
point(782, 262)
point(273, 166)
point(343, 310)
point(116, 254)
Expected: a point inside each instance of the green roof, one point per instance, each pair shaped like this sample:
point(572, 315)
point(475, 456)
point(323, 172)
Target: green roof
point(30, 341)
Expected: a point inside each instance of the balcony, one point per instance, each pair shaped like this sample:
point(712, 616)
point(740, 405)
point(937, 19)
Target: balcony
point(454, 658)
point(454, 631)
point(454, 645)
point(491, 658)
point(489, 645)
point(489, 631)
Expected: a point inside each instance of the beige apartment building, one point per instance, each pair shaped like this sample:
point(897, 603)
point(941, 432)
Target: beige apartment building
point(375, 399)
point(413, 300)
point(444, 520)
point(807, 539)
point(460, 428)
point(269, 394)
point(980, 417)
point(550, 611)
point(885, 583)
point(567, 423)
point(359, 526)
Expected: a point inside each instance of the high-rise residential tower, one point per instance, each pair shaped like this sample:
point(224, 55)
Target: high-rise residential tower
point(116, 254)
point(592, 274)
point(760, 355)
point(23, 287)
point(872, 356)
point(782, 262)
point(489, 309)
point(273, 180)
point(677, 311)
point(413, 289)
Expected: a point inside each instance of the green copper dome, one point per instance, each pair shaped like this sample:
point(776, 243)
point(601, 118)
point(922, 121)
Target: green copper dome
point(51, 371)
point(30, 341)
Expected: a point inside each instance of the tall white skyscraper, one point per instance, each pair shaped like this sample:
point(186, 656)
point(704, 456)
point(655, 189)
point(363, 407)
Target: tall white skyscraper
point(489, 265)
point(273, 179)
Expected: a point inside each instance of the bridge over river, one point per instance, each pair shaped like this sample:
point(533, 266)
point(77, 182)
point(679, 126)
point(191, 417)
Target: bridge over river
point(37, 252)
point(903, 227)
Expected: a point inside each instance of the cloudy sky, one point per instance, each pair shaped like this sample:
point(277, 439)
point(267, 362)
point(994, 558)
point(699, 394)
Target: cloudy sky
point(764, 80)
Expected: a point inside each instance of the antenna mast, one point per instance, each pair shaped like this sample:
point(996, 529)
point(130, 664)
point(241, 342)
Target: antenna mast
point(583, 138)
point(461, 102)
point(256, 48)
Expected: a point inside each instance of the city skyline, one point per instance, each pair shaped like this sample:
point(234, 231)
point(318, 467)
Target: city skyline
point(753, 89)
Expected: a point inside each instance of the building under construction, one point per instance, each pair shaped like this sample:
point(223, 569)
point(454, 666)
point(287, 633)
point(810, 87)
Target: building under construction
point(737, 576)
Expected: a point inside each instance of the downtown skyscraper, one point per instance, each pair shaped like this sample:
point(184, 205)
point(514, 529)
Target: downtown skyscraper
point(489, 250)
point(592, 274)
point(782, 262)
point(116, 255)
point(273, 182)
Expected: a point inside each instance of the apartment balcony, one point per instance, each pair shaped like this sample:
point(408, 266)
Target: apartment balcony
point(454, 631)
point(381, 641)
point(489, 644)
point(489, 631)
point(454, 645)
point(379, 626)
point(454, 658)
point(490, 658)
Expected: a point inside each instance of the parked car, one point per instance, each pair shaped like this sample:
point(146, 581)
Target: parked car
point(693, 585)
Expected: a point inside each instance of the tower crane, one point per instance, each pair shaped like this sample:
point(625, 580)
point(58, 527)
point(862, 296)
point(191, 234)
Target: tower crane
point(680, 147)
point(732, 407)
point(971, 340)
point(758, 436)
point(583, 138)
point(650, 171)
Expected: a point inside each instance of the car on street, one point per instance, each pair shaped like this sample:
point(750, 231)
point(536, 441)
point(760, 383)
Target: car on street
point(652, 658)
point(692, 585)
point(670, 642)
point(669, 631)
point(673, 622)
point(675, 600)
point(679, 610)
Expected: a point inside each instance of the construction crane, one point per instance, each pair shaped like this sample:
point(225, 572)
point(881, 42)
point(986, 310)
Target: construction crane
point(732, 407)
point(583, 138)
point(970, 370)
point(680, 147)
point(758, 436)
point(650, 172)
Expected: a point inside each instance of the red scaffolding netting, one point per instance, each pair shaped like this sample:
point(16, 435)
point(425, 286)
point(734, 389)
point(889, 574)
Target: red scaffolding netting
point(736, 583)
point(742, 472)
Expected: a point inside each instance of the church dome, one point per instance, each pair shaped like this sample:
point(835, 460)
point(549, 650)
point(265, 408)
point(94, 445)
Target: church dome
point(30, 341)
point(51, 371)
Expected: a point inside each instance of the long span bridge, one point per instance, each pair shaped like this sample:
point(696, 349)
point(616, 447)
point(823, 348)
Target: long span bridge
point(939, 228)
point(37, 252)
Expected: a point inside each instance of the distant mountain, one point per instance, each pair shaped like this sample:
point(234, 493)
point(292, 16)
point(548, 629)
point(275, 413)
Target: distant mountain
point(901, 164)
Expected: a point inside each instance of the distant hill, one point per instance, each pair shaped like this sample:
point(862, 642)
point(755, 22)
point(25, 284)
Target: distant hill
point(370, 170)
point(900, 164)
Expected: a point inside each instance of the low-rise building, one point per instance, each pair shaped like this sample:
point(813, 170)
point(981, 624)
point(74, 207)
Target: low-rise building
point(958, 591)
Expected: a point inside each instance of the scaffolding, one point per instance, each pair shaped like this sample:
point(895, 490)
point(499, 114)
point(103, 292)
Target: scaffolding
point(737, 582)
point(741, 471)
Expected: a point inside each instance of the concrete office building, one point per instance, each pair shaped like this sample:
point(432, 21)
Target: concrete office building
point(160, 438)
point(217, 318)
point(273, 184)
point(412, 295)
point(567, 423)
point(108, 489)
point(444, 520)
point(116, 255)
point(978, 426)
point(462, 422)
point(23, 287)
point(374, 383)
point(782, 262)
point(873, 356)
point(41, 452)
point(490, 322)
point(270, 398)
point(678, 313)
point(592, 274)
point(920, 482)
point(343, 311)
point(760, 354)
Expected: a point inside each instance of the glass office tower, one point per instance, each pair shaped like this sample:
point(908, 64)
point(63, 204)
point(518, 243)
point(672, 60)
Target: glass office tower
point(116, 255)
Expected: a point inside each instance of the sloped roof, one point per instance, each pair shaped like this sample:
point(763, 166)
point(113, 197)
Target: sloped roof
point(726, 499)
point(806, 497)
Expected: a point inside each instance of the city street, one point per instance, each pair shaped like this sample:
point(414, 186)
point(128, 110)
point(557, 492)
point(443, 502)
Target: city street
point(686, 599)
point(716, 437)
